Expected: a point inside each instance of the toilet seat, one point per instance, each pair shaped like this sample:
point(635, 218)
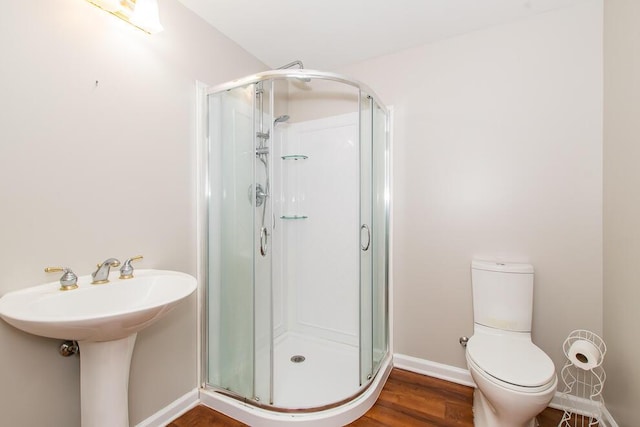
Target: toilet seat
point(511, 387)
point(512, 361)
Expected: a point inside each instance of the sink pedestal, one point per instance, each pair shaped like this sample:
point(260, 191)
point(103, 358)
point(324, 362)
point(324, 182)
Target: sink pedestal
point(104, 382)
point(104, 320)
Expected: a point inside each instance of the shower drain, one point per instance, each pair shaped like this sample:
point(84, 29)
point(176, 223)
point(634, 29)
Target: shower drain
point(297, 358)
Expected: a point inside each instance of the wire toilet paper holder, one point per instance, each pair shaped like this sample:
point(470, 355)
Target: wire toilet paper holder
point(583, 378)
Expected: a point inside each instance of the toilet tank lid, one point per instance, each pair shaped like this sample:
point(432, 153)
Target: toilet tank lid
point(504, 267)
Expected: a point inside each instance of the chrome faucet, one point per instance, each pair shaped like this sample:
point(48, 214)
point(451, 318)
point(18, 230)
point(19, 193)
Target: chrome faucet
point(101, 275)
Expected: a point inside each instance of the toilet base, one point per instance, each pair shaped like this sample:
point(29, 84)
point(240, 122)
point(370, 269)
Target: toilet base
point(484, 414)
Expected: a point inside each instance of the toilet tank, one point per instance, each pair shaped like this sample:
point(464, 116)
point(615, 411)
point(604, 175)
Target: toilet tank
point(502, 295)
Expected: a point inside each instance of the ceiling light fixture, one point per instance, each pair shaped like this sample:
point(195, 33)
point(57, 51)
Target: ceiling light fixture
point(143, 14)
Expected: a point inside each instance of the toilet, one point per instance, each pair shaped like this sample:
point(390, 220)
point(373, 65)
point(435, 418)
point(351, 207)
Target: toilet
point(515, 379)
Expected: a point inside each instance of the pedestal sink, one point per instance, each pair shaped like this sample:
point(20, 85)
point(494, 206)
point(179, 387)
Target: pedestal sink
point(105, 320)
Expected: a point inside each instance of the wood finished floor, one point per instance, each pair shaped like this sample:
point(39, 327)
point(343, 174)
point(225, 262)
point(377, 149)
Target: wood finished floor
point(408, 399)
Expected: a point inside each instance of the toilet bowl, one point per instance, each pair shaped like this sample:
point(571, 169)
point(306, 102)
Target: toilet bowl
point(515, 379)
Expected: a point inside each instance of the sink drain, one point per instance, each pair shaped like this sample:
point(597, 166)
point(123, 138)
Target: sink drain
point(297, 358)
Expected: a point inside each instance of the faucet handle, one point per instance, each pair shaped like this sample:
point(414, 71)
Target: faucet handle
point(126, 271)
point(68, 281)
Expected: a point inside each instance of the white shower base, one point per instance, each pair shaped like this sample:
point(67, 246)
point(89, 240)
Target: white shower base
point(329, 373)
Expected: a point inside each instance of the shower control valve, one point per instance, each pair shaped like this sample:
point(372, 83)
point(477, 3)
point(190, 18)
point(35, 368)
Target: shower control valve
point(260, 194)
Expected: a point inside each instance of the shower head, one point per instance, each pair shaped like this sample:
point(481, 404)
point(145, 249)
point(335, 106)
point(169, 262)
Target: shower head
point(280, 119)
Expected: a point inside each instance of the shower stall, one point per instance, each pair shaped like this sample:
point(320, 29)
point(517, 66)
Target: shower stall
point(296, 242)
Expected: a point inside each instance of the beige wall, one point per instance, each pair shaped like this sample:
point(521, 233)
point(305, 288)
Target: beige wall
point(622, 208)
point(93, 171)
point(498, 153)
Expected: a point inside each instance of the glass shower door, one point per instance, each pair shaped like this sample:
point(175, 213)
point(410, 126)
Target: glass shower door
point(380, 229)
point(373, 237)
point(263, 231)
point(366, 241)
point(238, 352)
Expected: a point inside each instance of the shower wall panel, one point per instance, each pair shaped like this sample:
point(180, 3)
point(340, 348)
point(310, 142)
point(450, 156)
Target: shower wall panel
point(320, 255)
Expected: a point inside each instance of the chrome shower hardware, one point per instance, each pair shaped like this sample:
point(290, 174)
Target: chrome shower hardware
point(266, 135)
point(281, 119)
point(260, 194)
point(298, 64)
point(257, 192)
point(264, 240)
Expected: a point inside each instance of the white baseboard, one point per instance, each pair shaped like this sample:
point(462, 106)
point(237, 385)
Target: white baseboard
point(173, 410)
point(433, 369)
point(462, 376)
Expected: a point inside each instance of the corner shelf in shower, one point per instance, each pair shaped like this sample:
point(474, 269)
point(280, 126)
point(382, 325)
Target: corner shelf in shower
point(294, 217)
point(295, 157)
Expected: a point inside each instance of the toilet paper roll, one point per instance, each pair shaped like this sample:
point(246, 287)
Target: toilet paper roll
point(584, 354)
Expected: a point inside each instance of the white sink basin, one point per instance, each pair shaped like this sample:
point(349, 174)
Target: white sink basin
point(105, 312)
point(105, 320)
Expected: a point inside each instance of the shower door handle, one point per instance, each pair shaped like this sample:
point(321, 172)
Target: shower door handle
point(263, 241)
point(363, 246)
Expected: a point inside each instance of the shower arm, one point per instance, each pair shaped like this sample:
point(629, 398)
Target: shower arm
point(297, 63)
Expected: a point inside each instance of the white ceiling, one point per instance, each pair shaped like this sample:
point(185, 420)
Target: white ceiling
point(326, 34)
